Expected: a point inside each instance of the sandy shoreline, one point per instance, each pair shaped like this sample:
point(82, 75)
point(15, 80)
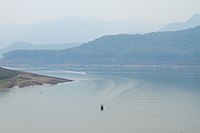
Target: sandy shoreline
point(25, 79)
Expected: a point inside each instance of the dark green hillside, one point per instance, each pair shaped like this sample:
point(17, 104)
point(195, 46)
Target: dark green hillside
point(179, 43)
point(5, 73)
point(177, 47)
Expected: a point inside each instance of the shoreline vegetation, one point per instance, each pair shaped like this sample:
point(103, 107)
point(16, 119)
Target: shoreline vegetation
point(12, 78)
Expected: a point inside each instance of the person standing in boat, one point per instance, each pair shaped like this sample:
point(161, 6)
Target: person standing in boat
point(102, 108)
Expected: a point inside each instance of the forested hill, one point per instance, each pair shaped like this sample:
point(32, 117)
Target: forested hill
point(179, 43)
point(5, 73)
point(162, 47)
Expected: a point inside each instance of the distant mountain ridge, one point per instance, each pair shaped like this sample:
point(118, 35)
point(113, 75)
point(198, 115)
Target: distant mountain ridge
point(20, 45)
point(190, 23)
point(70, 29)
point(176, 47)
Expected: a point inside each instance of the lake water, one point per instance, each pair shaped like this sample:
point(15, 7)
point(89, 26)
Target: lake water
point(135, 102)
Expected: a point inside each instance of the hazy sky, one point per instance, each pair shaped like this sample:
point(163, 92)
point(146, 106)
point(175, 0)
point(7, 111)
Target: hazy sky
point(28, 11)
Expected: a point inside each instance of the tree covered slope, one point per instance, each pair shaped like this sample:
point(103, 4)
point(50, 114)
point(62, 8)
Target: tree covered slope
point(161, 47)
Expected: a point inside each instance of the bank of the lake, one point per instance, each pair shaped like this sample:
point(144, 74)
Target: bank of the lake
point(13, 78)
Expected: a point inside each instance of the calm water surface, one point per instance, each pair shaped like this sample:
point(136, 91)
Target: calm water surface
point(134, 103)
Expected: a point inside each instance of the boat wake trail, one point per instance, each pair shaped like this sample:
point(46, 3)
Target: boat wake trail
point(118, 87)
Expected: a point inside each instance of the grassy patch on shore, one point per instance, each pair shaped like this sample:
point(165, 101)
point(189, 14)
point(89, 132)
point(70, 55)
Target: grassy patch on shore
point(4, 81)
point(12, 78)
point(6, 74)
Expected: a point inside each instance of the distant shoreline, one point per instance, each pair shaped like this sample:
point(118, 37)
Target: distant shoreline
point(25, 79)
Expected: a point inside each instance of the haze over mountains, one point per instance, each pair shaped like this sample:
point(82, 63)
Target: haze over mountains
point(121, 48)
point(175, 47)
point(19, 45)
point(71, 29)
point(192, 22)
point(74, 29)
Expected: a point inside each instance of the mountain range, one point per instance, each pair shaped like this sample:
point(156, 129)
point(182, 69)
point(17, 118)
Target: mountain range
point(19, 45)
point(174, 47)
point(74, 29)
point(192, 22)
point(70, 29)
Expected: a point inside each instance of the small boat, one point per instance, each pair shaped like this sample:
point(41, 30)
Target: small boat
point(101, 108)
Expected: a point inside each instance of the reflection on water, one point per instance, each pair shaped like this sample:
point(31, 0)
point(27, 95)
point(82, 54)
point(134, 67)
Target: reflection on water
point(133, 103)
